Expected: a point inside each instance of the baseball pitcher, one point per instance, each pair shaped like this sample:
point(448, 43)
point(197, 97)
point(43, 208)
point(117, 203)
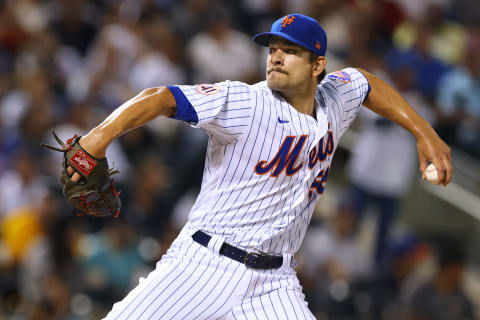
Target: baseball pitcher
point(267, 164)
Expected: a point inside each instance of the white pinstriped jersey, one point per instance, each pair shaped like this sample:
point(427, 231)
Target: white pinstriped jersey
point(266, 163)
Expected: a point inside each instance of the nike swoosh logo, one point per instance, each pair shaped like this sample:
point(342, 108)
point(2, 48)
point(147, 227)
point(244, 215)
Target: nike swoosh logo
point(282, 121)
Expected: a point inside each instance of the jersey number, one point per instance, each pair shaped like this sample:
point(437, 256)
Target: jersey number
point(318, 184)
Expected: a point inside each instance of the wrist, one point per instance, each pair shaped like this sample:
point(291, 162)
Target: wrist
point(423, 130)
point(95, 143)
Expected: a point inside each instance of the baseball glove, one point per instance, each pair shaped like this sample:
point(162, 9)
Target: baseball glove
point(95, 193)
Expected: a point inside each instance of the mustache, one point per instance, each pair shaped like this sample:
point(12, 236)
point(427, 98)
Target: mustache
point(277, 70)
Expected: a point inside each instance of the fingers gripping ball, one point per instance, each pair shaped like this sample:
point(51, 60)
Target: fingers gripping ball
point(431, 173)
point(95, 193)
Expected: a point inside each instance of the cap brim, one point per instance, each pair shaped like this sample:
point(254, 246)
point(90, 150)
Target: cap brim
point(263, 39)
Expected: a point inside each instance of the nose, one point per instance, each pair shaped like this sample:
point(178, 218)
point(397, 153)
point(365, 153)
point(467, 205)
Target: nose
point(277, 58)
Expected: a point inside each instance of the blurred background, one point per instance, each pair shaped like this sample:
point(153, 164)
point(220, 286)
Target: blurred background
point(382, 243)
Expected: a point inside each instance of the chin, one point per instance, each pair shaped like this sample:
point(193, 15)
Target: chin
point(275, 85)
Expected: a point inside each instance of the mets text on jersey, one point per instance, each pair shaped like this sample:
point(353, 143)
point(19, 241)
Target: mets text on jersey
point(286, 158)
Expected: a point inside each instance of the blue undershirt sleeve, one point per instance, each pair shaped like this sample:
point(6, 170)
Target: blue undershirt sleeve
point(368, 92)
point(185, 110)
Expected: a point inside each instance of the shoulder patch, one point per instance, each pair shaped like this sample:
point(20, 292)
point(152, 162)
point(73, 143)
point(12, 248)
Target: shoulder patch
point(340, 75)
point(208, 89)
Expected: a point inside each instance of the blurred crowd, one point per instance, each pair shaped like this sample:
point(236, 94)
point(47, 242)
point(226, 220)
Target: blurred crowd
point(66, 64)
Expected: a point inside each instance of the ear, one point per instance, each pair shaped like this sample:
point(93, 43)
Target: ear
point(319, 65)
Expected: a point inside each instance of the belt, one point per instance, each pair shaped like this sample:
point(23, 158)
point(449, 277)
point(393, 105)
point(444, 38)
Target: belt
point(250, 259)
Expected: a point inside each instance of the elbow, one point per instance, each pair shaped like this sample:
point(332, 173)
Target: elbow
point(152, 91)
point(161, 101)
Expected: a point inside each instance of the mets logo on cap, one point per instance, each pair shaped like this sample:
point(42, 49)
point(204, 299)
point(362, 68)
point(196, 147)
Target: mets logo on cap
point(287, 20)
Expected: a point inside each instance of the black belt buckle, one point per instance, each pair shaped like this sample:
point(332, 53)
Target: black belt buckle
point(256, 261)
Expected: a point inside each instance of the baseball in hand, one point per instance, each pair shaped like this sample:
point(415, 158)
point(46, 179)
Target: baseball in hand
point(431, 173)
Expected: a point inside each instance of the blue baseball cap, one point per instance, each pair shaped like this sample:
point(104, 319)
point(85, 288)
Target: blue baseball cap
point(299, 29)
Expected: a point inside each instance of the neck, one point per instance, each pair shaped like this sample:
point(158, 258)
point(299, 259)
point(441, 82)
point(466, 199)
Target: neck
point(303, 101)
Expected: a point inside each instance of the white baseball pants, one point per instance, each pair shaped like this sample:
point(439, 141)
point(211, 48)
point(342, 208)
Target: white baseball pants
point(195, 282)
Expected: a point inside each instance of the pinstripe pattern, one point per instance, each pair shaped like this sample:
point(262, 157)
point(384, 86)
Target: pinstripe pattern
point(250, 209)
point(260, 212)
point(191, 282)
